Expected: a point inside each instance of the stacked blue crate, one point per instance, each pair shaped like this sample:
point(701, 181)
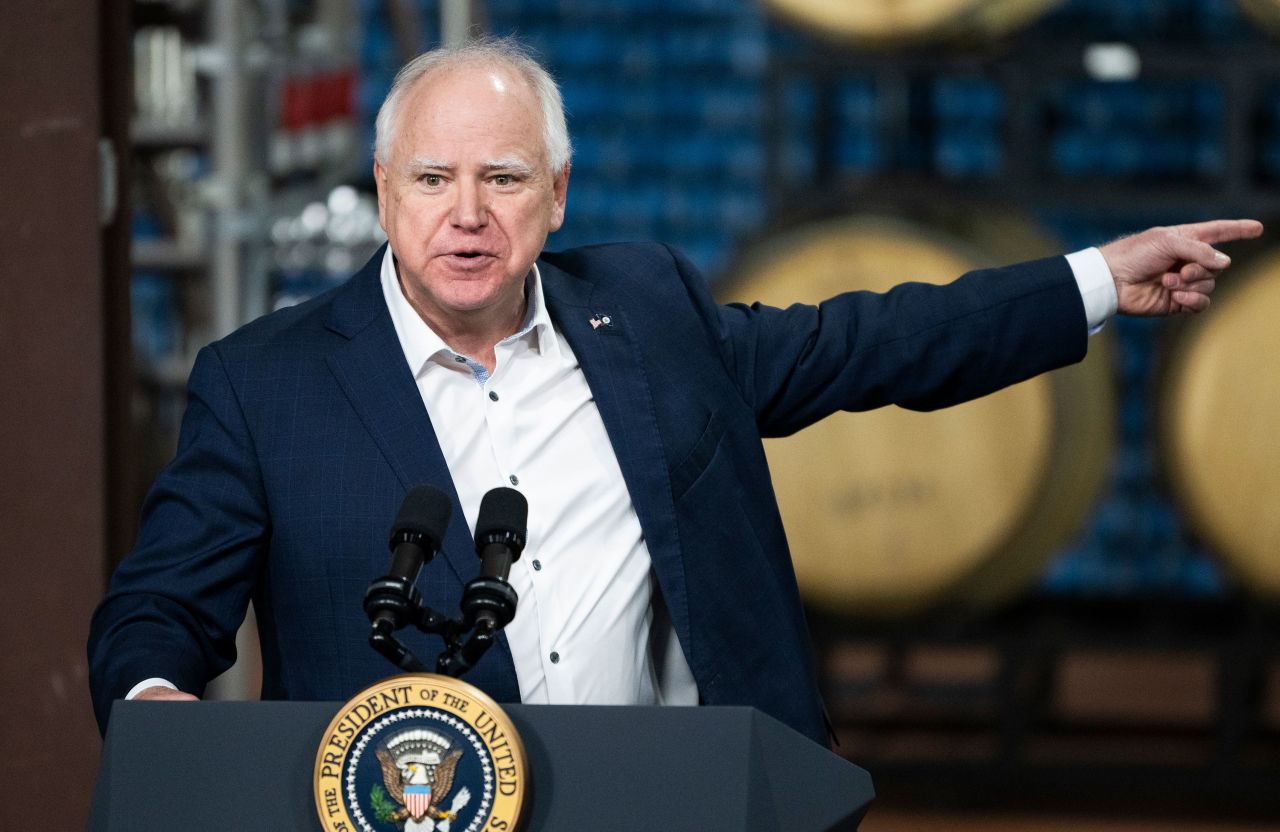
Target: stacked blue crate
point(1141, 131)
point(155, 311)
point(1150, 20)
point(860, 146)
point(797, 161)
point(858, 143)
point(155, 314)
point(954, 126)
point(968, 116)
point(665, 108)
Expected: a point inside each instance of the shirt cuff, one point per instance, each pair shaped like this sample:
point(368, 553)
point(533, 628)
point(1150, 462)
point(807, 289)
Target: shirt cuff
point(1097, 286)
point(153, 682)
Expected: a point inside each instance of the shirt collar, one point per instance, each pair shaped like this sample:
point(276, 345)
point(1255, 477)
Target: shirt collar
point(537, 318)
point(420, 342)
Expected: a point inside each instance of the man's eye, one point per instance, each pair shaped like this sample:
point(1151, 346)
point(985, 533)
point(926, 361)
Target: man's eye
point(502, 180)
point(432, 180)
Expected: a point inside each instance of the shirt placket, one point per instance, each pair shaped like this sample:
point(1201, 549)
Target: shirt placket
point(513, 371)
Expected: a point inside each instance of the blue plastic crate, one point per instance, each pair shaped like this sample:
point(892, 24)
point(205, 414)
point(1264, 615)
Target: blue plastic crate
point(973, 153)
point(155, 315)
point(967, 100)
point(860, 152)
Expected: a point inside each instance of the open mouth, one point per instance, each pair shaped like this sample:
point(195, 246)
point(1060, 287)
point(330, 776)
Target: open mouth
point(468, 259)
point(469, 253)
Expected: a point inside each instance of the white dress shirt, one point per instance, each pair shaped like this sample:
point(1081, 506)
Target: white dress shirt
point(586, 629)
point(590, 626)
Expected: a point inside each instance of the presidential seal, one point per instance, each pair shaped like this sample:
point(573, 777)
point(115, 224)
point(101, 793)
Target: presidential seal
point(420, 753)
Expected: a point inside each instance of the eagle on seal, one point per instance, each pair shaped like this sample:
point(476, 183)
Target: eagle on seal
point(419, 789)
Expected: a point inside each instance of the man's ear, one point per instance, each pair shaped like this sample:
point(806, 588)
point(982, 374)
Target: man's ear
point(380, 182)
point(560, 191)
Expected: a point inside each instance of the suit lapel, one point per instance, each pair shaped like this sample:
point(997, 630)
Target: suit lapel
point(372, 371)
point(594, 322)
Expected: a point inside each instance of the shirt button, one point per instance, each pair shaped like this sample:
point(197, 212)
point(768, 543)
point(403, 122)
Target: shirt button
point(514, 479)
point(555, 657)
point(493, 397)
point(537, 566)
point(460, 359)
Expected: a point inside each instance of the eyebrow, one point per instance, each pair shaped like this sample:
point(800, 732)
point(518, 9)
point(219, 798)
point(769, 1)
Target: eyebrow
point(510, 163)
point(422, 164)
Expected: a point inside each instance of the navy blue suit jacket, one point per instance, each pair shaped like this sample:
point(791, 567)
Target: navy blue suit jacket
point(305, 428)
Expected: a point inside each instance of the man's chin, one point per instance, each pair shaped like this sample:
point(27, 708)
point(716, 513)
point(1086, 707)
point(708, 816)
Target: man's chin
point(468, 297)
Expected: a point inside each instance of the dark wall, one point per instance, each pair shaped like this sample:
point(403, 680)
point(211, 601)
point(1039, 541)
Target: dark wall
point(53, 405)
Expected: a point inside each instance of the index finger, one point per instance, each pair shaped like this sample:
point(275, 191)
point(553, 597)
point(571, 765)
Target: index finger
point(1221, 231)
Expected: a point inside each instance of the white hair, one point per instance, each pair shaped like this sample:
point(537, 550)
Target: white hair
point(484, 52)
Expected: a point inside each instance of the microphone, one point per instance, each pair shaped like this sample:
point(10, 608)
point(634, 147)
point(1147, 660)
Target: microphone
point(500, 531)
point(416, 537)
point(489, 601)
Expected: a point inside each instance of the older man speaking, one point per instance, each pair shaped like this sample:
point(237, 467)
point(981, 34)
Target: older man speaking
point(604, 383)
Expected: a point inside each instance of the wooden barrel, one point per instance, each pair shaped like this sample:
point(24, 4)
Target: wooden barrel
point(902, 22)
point(1220, 425)
point(892, 512)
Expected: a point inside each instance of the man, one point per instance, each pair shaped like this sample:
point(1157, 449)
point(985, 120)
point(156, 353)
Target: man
point(602, 382)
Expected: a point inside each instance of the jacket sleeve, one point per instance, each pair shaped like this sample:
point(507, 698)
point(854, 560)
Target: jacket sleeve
point(919, 346)
point(176, 601)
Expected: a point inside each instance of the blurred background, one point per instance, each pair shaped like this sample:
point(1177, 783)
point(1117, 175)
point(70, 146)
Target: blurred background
point(1053, 608)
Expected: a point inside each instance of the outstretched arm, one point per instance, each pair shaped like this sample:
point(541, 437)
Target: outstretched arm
point(1166, 271)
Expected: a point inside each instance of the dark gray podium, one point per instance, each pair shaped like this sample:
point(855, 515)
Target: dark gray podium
point(248, 766)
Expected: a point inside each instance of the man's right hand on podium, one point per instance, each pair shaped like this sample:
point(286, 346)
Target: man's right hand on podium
point(157, 693)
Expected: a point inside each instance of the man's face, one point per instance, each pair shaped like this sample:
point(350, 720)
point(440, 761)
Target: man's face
point(467, 196)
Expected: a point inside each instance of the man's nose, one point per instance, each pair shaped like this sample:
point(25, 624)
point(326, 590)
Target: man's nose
point(469, 209)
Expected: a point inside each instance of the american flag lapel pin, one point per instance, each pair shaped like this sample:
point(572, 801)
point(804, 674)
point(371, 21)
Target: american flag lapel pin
point(598, 320)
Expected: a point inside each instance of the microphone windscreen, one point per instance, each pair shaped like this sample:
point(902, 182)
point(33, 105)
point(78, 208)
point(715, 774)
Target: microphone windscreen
point(503, 510)
point(425, 511)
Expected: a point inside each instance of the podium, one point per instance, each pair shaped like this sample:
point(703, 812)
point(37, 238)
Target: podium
point(248, 766)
